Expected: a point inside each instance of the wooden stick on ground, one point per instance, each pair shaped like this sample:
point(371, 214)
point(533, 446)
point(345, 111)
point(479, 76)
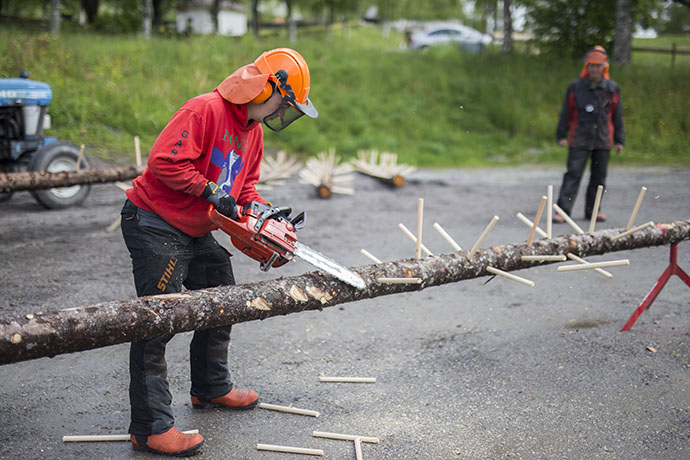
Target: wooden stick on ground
point(595, 211)
point(572, 256)
point(289, 409)
point(529, 223)
point(633, 230)
point(510, 276)
point(420, 213)
point(447, 237)
point(370, 256)
point(105, 437)
point(348, 379)
point(536, 220)
point(609, 263)
point(345, 437)
point(567, 218)
point(549, 210)
point(288, 449)
point(414, 238)
point(358, 448)
point(643, 190)
point(483, 235)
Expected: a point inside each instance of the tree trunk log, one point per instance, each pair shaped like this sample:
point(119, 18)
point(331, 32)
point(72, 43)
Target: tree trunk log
point(109, 323)
point(35, 180)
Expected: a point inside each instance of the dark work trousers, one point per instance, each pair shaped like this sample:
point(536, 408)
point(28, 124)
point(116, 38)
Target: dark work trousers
point(577, 162)
point(164, 259)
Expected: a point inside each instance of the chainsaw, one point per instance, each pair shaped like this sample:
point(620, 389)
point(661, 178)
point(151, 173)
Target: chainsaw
point(268, 234)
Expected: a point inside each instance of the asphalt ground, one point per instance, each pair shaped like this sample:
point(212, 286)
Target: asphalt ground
point(464, 371)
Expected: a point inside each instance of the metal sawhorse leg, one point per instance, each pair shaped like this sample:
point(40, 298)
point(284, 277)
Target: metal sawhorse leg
point(672, 269)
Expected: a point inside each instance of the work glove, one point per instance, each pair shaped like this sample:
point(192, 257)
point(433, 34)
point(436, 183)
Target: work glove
point(224, 203)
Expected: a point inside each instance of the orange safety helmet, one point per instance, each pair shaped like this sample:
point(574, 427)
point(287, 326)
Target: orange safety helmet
point(288, 73)
point(596, 55)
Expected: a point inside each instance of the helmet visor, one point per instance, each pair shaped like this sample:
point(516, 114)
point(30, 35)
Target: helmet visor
point(285, 114)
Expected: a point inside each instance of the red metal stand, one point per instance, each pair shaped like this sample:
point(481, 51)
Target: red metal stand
point(672, 269)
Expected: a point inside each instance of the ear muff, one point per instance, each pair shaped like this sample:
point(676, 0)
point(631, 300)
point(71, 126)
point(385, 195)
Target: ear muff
point(265, 93)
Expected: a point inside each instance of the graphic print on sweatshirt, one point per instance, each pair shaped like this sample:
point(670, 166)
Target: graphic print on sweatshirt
point(230, 167)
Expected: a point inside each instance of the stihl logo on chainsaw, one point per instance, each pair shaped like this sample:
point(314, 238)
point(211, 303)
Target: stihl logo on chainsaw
point(268, 234)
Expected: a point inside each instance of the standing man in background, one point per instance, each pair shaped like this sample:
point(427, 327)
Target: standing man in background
point(591, 123)
point(209, 152)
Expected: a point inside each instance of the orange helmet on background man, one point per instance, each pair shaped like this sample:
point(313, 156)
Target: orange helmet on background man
point(596, 55)
point(287, 73)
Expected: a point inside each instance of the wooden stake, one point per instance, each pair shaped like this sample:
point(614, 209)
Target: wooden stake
point(610, 263)
point(81, 155)
point(345, 437)
point(370, 256)
point(114, 224)
point(420, 213)
point(447, 237)
point(549, 211)
point(137, 150)
point(290, 409)
point(510, 276)
point(633, 230)
point(636, 208)
point(414, 238)
point(536, 220)
point(529, 223)
point(572, 256)
point(105, 437)
point(122, 186)
point(481, 238)
point(555, 258)
point(567, 218)
point(348, 379)
point(358, 448)
point(595, 211)
point(291, 450)
point(399, 280)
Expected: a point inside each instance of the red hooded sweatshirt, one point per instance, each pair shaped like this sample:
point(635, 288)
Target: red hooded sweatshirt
point(206, 140)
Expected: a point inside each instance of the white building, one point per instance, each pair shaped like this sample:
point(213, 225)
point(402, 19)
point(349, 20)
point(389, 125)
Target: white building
point(195, 16)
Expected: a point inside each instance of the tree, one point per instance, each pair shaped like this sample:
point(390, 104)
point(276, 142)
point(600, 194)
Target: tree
point(55, 17)
point(90, 7)
point(571, 27)
point(622, 46)
point(507, 27)
point(146, 13)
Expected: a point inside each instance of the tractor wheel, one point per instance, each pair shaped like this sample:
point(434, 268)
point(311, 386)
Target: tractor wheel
point(56, 157)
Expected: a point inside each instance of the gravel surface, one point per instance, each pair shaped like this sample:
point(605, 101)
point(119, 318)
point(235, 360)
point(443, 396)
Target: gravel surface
point(464, 371)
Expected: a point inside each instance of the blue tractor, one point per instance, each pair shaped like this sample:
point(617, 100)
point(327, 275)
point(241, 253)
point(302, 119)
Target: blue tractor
point(23, 147)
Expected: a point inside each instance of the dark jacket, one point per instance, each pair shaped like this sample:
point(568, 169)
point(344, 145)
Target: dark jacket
point(592, 117)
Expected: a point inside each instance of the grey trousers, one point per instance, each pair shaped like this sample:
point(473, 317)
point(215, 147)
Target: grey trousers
point(164, 259)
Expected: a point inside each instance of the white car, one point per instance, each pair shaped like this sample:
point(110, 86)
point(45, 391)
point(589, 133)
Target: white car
point(468, 38)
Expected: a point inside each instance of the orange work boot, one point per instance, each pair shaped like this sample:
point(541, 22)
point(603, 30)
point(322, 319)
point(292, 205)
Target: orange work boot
point(236, 399)
point(173, 442)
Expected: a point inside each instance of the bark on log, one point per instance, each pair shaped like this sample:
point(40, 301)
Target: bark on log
point(109, 323)
point(35, 180)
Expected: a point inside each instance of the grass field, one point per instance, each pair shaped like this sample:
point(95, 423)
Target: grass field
point(434, 108)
